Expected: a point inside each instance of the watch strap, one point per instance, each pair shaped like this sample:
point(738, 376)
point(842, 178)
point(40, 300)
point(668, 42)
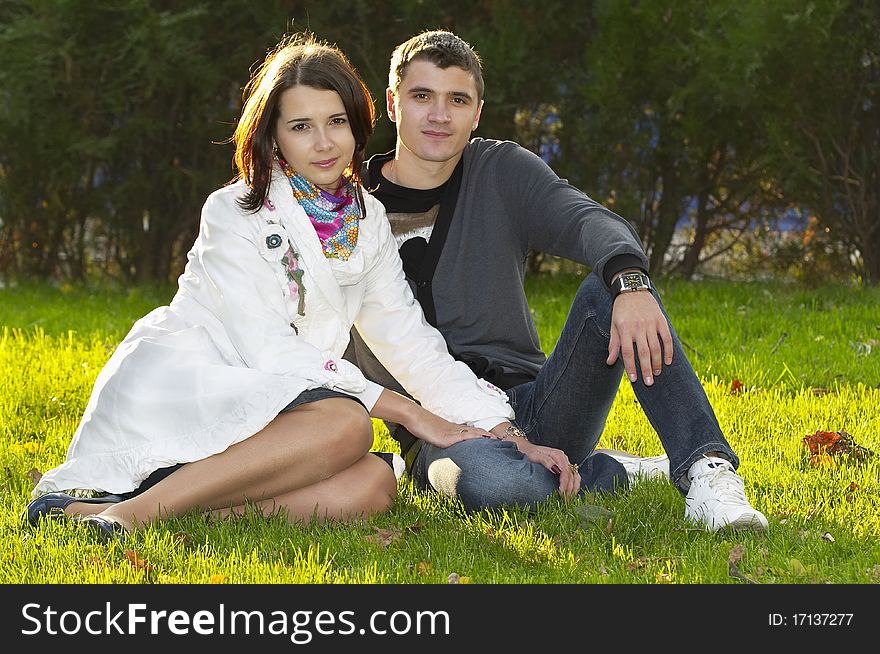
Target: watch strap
point(629, 282)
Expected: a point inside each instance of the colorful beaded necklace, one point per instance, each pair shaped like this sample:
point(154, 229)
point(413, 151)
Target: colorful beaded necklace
point(334, 217)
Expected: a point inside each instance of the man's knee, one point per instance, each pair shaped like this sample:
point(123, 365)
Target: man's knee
point(593, 300)
point(489, 474)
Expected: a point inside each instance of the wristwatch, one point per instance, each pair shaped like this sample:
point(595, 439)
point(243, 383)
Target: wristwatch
point(630, 281)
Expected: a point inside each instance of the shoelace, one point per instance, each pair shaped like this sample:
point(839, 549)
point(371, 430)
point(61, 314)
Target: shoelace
point(724, 481)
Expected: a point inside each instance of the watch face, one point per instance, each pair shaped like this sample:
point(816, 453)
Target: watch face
point(632, 281)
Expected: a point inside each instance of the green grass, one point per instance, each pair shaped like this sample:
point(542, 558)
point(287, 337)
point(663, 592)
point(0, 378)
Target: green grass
point(825, 521)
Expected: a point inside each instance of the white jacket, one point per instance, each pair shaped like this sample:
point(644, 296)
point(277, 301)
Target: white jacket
point(233, 348)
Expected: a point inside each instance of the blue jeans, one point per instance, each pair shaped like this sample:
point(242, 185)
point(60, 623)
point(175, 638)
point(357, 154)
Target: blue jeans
point(566, 408)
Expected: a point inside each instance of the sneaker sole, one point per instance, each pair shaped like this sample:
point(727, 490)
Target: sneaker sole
point(656, 472)
point(747, 521)
point(752, 522)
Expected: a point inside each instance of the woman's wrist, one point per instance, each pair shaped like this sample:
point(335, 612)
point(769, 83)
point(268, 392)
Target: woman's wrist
point(510, 432)
point(394, 407)
point(411, 413)
point(513, 432)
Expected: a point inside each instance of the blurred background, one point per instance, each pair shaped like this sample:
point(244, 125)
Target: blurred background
point(741, 138)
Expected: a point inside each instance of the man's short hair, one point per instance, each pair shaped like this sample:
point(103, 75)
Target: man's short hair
point(443, 49)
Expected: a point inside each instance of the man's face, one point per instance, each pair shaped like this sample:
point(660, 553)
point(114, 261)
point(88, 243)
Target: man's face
point(435, 111)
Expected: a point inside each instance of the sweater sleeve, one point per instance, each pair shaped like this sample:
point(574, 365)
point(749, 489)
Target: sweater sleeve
point(553, 216)
point(392, 324)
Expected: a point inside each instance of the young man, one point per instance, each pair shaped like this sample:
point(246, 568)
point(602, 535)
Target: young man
point(465, 214)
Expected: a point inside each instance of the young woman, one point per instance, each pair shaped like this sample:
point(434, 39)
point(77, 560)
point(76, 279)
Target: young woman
point(236, 393)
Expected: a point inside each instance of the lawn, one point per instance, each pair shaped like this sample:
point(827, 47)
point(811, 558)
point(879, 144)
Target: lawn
point(778, 362)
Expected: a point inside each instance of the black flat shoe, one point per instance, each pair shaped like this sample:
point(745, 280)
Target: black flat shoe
point(394, 460)
point(104, 528)
point(53, 505)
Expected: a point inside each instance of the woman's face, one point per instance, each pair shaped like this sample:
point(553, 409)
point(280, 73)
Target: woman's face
point(314, 135)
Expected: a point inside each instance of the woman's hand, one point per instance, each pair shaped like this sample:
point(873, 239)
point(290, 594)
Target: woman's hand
point(556, 461)
point(439, 432)
point(421, 423)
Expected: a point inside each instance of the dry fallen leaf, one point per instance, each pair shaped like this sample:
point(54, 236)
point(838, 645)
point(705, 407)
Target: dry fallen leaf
point(736, 387)
point(829, 443)
point(736, 554)
point(34, 476)
point(219, 579)
point(635, 565)
point(849, 495)
point(424, 567)
point(384, 537)
point(182, 538)
point(136, 561)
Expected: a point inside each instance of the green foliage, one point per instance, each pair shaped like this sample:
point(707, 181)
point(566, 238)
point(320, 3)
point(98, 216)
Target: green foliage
point(701, 123)
point(817, 65)
point(824, 520)
point(112, 140)
point(662, 130)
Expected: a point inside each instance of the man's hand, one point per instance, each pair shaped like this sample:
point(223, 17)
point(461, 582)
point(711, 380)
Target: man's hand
point(638, 327)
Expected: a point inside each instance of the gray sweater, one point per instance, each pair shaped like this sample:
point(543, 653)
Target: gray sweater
point(510, 203)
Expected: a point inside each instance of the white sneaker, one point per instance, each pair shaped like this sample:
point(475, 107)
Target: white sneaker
point(637, 467)
point(716, 499)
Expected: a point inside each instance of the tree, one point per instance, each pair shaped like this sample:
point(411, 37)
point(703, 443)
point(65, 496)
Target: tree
point(661, 131)
point(818, 67)
point(113, 130)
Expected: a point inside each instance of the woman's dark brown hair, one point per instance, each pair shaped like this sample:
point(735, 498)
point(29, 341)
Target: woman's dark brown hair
point(298, 60)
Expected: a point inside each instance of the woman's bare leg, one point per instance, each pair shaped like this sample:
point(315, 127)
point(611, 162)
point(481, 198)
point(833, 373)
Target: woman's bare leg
point(298, 448)
point(361, 490)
